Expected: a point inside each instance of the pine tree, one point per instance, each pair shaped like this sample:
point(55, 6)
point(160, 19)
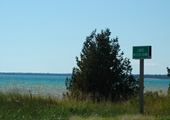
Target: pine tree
point(101, 71)
point(168, 70)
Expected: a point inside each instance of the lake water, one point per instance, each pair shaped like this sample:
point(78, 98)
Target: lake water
point(55, 85)
point(40, 85)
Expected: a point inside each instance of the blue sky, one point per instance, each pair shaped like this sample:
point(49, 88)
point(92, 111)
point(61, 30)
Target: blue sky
point(46, 36)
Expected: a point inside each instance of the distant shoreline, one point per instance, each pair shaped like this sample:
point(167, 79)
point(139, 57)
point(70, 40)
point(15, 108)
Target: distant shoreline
point(156, 76)
point(146, 76)
point(36, 74)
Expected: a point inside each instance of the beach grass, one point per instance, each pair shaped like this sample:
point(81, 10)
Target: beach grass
point(14, 105)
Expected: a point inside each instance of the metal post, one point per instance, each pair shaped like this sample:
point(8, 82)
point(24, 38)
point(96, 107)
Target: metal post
point(141, 84)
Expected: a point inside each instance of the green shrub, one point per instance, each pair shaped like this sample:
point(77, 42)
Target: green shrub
point(102, 73)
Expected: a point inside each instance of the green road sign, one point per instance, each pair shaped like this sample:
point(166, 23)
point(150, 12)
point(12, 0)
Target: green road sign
point(142, 52)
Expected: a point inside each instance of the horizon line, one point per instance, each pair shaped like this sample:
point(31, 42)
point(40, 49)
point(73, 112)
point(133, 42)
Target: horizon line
point(66, 73)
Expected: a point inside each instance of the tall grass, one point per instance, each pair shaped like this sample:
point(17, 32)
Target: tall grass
point(14, 105)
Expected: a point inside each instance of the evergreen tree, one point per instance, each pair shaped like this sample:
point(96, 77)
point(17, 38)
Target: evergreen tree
point(101, 71)
point(168, 70)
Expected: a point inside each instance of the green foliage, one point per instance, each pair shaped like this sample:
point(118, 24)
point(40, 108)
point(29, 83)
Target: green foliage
point(168, 92)
point(102, 72)
point(168, 70)
point(23, 106)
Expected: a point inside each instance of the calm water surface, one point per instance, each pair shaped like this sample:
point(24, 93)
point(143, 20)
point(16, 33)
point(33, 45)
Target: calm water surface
point(156, 85)
point(40, 85)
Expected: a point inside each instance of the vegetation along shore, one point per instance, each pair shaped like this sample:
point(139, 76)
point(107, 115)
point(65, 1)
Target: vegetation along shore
point(26, 106)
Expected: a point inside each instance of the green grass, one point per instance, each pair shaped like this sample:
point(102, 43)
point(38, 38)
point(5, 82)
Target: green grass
point(14, 105)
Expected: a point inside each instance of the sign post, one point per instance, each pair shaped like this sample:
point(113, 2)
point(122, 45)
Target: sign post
point(141, 84)
point(141, 52)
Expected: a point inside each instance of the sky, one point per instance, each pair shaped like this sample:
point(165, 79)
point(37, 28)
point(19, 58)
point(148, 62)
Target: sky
point(45, 36)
